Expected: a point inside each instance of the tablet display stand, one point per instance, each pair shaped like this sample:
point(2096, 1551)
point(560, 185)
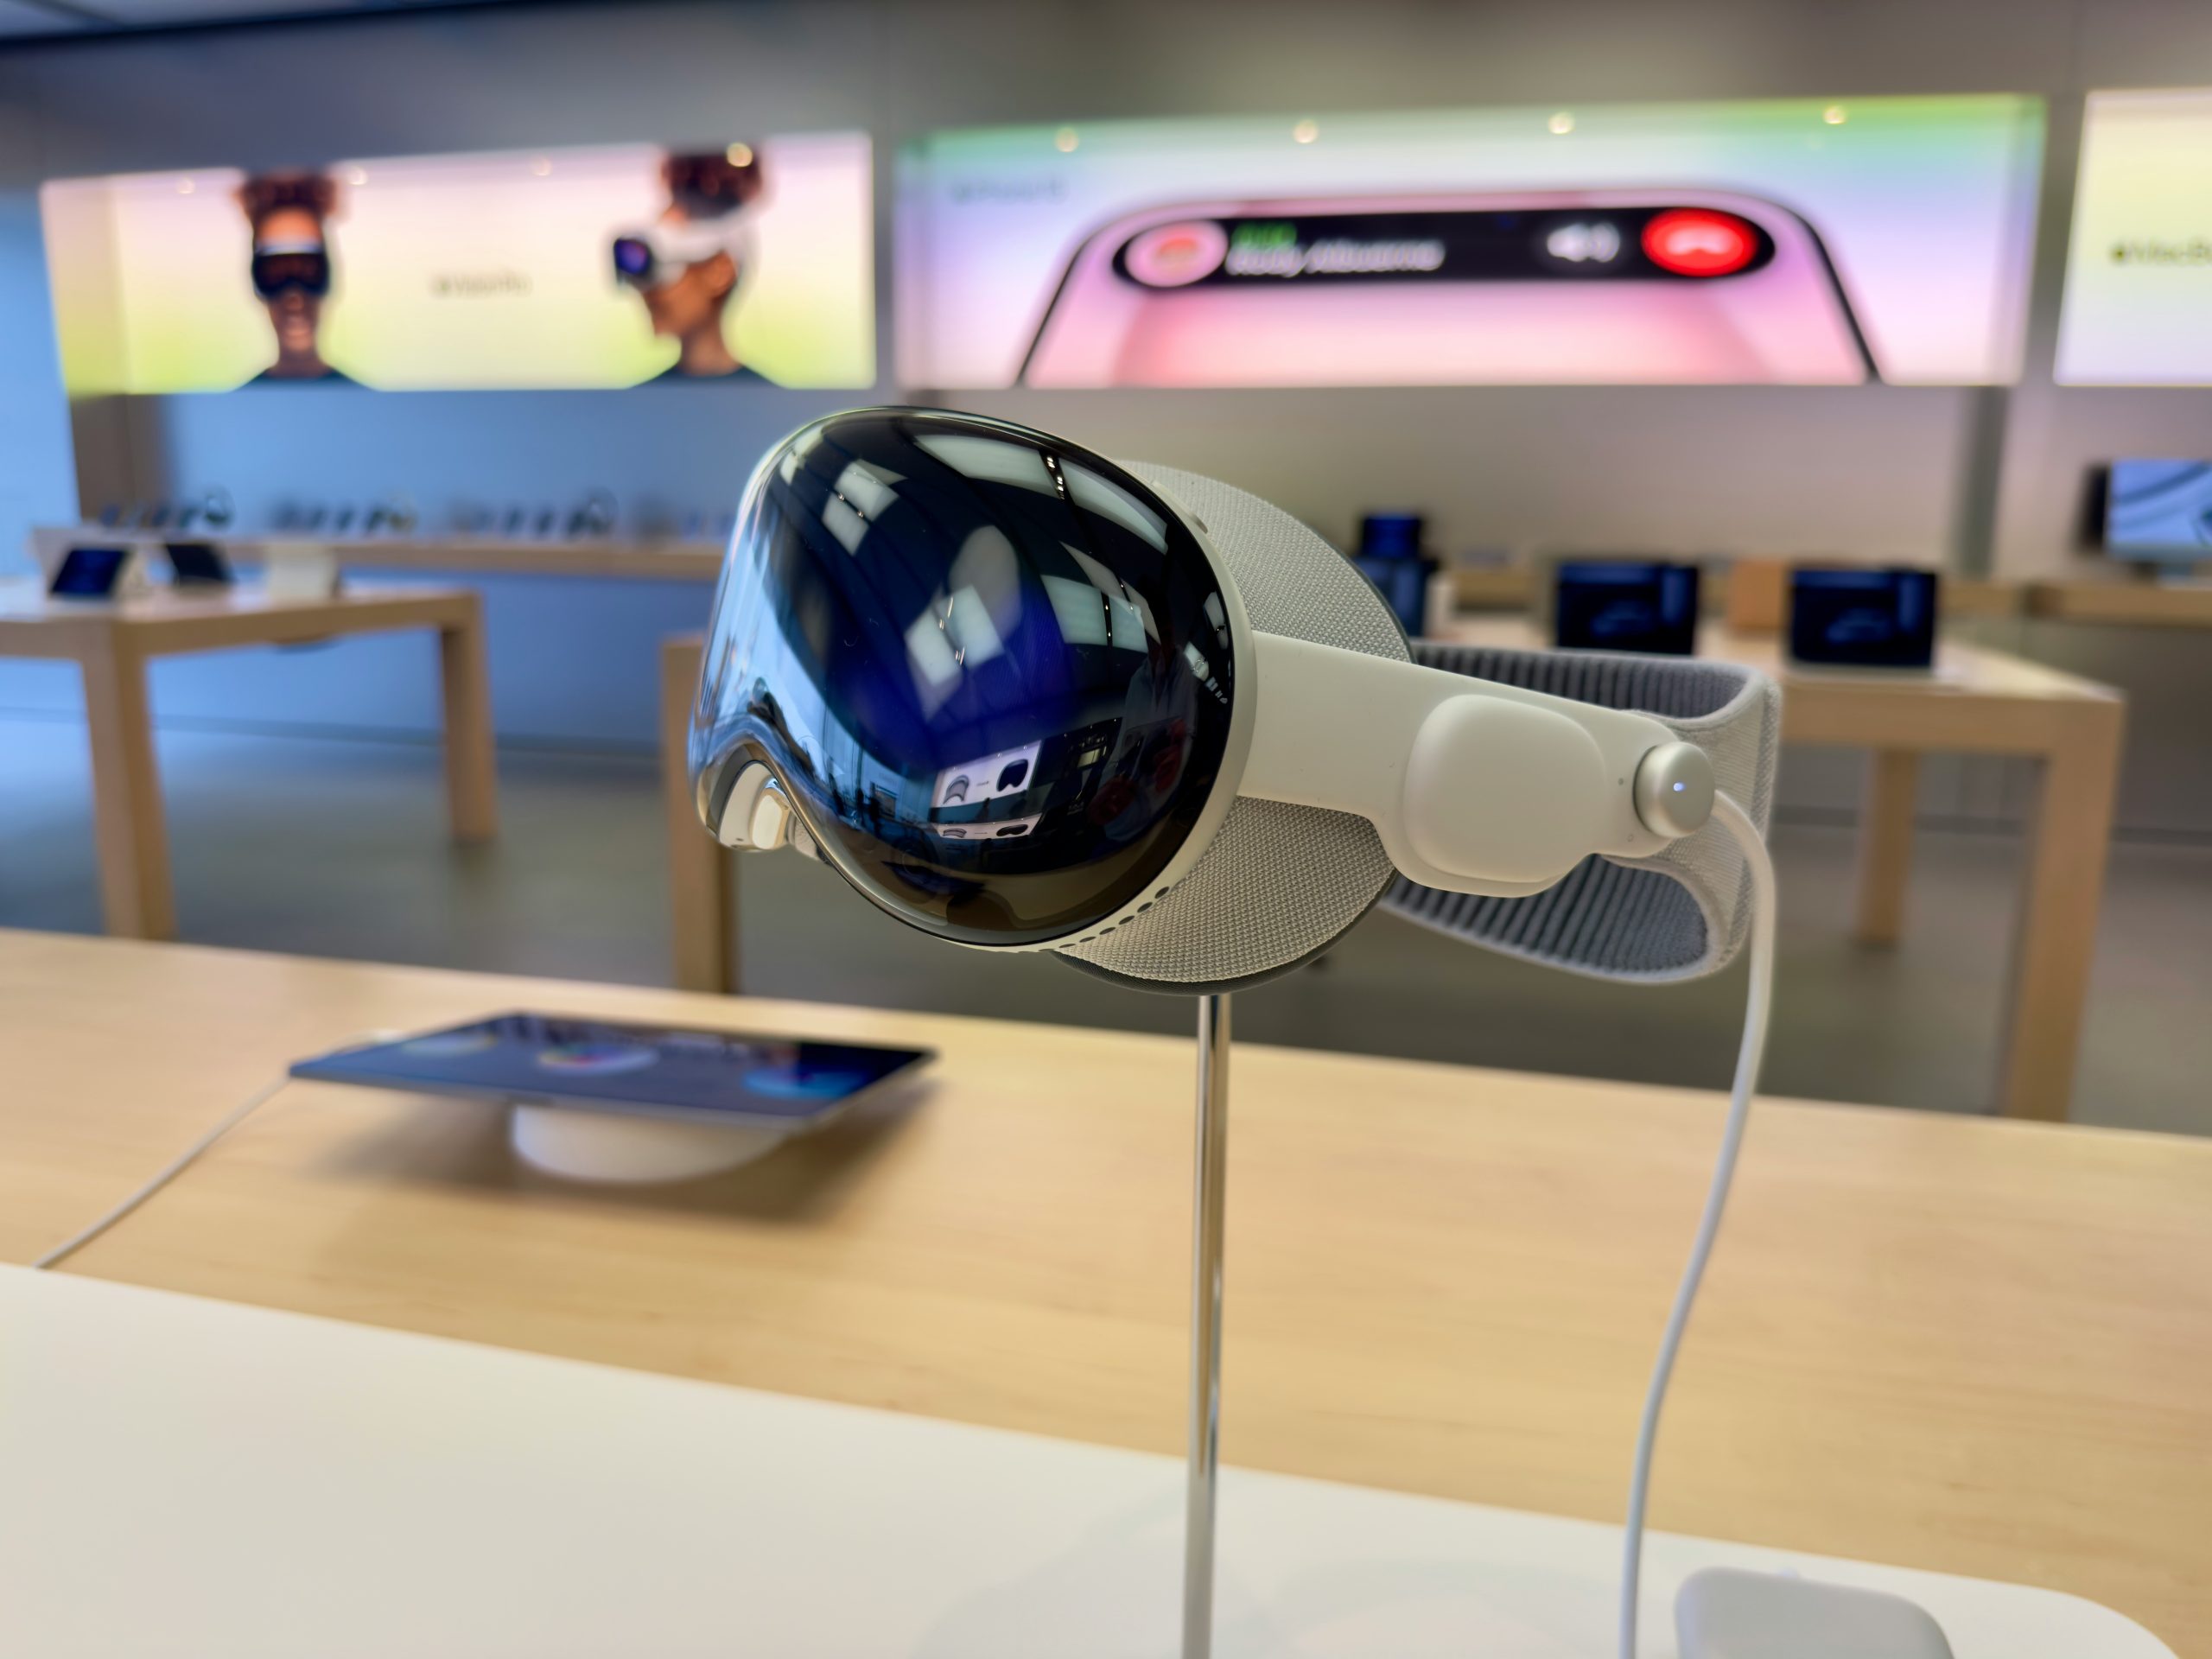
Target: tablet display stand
point(627, 1150)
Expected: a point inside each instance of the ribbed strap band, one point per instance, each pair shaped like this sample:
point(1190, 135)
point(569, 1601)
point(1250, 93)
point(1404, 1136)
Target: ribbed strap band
point(1679, 914)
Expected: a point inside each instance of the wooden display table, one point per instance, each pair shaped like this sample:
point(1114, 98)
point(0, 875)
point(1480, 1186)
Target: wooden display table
point(1969, 1345)
point(2139, 604)
point(487, 556)
point(111, 642)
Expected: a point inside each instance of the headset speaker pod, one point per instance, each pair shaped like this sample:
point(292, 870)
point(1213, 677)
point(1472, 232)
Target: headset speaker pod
point(1023, 697)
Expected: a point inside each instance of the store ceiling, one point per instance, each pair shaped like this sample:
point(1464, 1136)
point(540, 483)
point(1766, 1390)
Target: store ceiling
point(29, 19)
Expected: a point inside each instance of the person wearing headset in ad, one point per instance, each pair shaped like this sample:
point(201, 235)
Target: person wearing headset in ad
point(690, 264)
point(291, 270)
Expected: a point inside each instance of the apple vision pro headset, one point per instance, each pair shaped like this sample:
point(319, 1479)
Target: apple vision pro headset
point(1024, 698)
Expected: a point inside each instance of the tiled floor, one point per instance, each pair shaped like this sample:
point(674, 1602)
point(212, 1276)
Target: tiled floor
point(337, 848)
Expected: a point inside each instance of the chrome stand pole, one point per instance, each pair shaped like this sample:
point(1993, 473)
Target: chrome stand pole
point(1204, 1447)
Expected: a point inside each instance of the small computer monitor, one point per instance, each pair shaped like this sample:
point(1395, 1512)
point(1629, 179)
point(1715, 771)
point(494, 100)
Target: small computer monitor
point(1625, 605)
point(88, 572)
point(1858, 617)
point(198, 564)
point(2159, 511)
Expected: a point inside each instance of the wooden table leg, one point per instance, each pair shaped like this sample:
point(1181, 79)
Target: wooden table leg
point(472, 774)
point(702, 918)
point(2069, 833)
point(1885, 844)
point(129, 828)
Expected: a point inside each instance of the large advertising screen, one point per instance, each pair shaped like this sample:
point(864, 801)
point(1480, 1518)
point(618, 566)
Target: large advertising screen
point(2138, 310)
point(1804, 241)
point(581, 268)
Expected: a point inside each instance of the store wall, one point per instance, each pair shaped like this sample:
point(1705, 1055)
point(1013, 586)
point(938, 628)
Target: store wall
point(37, 483)
point(1673, 469)
point(1872, 471)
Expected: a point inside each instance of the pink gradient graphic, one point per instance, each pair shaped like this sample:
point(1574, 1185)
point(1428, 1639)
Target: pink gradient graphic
point(1924, 207)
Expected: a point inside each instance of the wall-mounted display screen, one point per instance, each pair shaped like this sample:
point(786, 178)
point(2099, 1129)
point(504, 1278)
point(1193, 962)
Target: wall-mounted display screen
point(581, 268)
point(2160, 510)
point(2138, 310)
point(1788, 242)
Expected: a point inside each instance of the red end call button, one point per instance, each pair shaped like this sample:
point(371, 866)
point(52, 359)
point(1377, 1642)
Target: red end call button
point(1699, 242)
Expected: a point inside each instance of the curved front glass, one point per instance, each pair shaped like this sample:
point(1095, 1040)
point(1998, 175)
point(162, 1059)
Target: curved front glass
point(992, 670)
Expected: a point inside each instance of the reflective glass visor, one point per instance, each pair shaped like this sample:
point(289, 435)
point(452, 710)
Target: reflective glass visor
point(992, 670)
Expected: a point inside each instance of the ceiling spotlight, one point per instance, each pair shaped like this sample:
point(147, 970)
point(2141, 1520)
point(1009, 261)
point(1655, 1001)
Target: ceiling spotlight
point(1835, 115)
point(1305, 132)
point(1064, 141)
point(357, 175)
point(185, 187)
point(738, 155)
point(540, 165)
point(1562, 123)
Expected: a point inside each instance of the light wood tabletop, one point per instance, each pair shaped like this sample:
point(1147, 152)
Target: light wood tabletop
point(650, 561)
point(112, 640)
point(1966, 1344)
point(2136, 604)
point(1975, 701)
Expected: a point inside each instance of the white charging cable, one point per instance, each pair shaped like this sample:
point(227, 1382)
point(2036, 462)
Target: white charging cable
point(168, 1173)
point(190, 1156)
point(1745, 834)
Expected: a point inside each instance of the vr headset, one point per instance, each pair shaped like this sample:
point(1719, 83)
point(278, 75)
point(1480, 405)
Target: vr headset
point(279, 266)
point(648, 258)
point(1024, 698)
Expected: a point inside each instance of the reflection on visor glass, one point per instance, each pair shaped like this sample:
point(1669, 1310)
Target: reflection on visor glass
point(985, 666)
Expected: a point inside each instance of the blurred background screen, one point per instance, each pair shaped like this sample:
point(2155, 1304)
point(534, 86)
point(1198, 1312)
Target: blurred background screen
point(1780, 242)
point(2139, 271)
point(2159, 509)
point(597, 267)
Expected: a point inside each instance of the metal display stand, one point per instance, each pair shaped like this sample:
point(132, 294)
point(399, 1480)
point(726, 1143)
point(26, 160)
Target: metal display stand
point(1204, 1447)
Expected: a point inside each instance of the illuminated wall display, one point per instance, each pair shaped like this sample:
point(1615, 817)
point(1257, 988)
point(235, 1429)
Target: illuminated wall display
point(579, 268)
point(1803, 241)
point(2160, 510)
point(2138, 310)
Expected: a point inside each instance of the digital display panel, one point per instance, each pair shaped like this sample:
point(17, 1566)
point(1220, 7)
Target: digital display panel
point(2138, 310)
point(1863, 619)
point(88, 572)
point(2159, 509)
point(605, 267)
point(602, 1065)
point(1794, 242)
point(1608, 605)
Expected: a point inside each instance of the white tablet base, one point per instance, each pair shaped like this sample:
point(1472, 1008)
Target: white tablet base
point(187, 1477)
point(613, 1146)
